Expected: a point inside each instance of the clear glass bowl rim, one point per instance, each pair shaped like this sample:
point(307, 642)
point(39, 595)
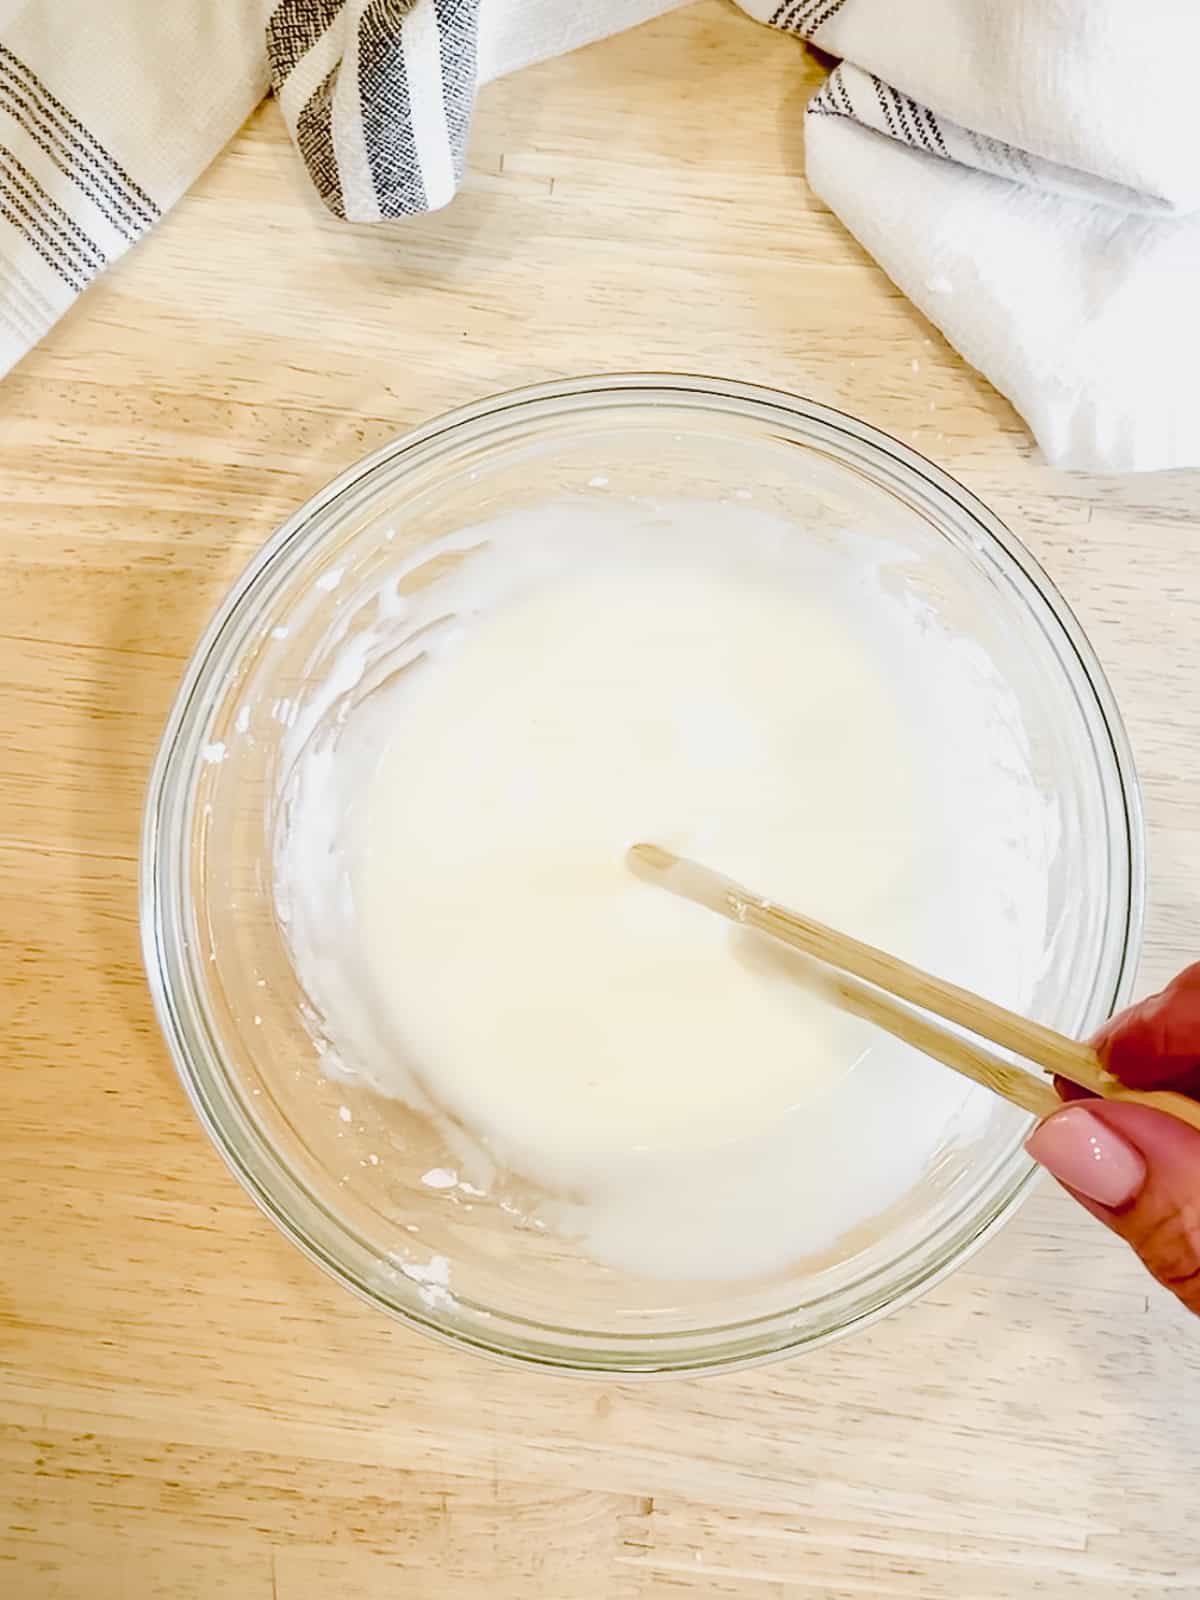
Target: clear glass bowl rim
point(174, 976)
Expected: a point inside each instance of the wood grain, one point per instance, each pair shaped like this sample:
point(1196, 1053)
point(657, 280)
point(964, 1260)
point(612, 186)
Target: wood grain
point(188, 1409)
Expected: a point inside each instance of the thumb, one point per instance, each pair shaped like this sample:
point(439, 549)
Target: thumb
point(1138, 1170)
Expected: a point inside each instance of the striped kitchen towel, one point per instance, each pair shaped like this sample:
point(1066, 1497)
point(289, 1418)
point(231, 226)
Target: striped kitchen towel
point(109, 112)
point(1026, 172)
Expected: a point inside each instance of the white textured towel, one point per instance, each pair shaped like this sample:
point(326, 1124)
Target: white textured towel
point(1028, 172)
point(1025, 170)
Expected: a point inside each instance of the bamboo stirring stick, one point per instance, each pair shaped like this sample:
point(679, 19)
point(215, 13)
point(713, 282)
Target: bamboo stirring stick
point(1053, 1052)
point(1012, 1083)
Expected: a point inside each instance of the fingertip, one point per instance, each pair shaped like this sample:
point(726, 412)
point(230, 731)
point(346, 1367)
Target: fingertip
point(1092, 1158)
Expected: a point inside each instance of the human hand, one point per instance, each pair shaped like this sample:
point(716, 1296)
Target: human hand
point(1136, 1169)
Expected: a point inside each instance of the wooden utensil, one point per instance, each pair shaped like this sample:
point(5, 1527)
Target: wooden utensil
point(873, 984)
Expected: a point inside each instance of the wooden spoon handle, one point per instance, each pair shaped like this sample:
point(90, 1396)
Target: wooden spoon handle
point(1054, 1052)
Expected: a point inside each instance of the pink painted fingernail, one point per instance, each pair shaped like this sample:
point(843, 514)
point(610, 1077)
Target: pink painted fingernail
point(1083, 1152)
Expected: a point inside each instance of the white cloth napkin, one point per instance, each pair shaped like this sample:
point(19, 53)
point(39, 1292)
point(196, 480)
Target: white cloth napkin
point(1028, 173)
point(1025, 170)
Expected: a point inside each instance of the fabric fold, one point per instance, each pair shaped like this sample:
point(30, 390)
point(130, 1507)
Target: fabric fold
point(1024, 172)
point(103, 125)
point(109, 113)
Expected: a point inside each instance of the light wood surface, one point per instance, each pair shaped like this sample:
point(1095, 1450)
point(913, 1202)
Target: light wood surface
point(188, 1408)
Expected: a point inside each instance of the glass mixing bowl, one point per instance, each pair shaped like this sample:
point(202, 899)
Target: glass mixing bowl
point(343, 1171)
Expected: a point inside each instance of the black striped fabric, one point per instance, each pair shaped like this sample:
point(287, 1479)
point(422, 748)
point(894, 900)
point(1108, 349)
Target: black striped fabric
point(292, 30)
point(458, 25)
point(73, 148)
point(52, 232)
point(314, 140)
point(804, 17)
point(898, 115)
point(370, 147)
point(386, 113)
point(76, 153)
